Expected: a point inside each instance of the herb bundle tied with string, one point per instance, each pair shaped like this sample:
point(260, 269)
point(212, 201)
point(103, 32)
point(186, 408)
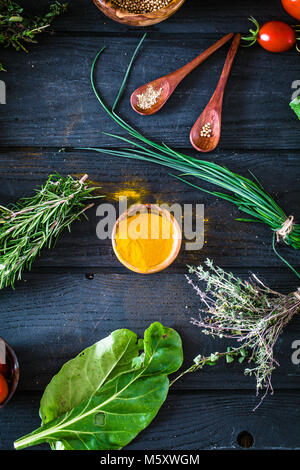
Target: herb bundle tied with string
point(246, 311)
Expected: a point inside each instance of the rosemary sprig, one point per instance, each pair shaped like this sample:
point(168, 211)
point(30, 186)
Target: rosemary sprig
point(16, 28)
point(246, 311)
point(248, 195)
point(36, 222)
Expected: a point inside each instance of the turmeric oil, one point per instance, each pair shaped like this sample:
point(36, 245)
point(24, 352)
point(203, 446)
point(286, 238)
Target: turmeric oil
point(145, 241)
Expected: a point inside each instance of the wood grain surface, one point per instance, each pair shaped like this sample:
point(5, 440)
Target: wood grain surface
point(66, 113)
point(78, 293)
point(190, 420)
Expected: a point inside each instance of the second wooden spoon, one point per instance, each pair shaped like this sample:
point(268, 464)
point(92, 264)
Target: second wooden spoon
point(206, 132)
point(165, 86)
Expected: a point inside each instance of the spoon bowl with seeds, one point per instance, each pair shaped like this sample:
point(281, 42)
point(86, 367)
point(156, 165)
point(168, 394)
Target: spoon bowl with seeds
point(151, 97)
point(206, 132)
point(205, 136)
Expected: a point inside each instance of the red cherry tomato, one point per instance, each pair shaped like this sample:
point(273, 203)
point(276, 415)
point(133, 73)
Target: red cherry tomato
point(4, 369)
point(3, 389)
point(292, 7)
point(276, 36)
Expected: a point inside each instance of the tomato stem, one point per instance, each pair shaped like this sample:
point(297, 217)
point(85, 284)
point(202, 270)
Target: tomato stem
point(254, 33)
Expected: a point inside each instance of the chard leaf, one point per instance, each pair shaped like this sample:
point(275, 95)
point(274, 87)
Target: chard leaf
point(103, 398)
point(295, 105)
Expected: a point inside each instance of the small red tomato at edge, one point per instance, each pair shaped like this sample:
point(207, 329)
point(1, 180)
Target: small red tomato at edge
point(4, 369)
point(3, 389)
point(274, 36)
point(292, 7)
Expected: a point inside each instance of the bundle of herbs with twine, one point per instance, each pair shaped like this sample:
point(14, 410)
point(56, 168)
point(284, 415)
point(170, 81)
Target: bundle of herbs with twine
point(36, 222)
point(248, 195)
point(246, 311)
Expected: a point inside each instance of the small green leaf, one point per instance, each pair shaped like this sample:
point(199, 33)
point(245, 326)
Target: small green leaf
point(214, 357)
point(295, 105)
point(229, 358)
point(243, 352)
point(16, 19)
point(198, 359)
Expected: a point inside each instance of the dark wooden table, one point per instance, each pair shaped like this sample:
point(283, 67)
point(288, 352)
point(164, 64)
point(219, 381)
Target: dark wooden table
point(78, 293)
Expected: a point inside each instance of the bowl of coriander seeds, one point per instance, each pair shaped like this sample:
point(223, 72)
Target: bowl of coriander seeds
point(139, 12)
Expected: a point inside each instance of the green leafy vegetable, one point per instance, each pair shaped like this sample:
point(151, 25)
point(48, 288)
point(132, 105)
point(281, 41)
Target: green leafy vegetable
point(109, 393)
point(295, 105)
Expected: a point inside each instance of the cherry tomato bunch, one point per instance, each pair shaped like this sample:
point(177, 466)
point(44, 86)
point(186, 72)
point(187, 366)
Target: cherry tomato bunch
point(3, 382)
point(276, 36)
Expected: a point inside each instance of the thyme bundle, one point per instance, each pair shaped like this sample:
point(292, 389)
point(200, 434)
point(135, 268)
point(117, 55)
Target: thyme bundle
point(36, 222)
point(16, 28)
point(246, 311)
point(248, 195)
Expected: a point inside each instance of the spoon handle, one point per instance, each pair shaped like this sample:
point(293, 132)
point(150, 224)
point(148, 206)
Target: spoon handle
point(181, 73)
point(218, 94)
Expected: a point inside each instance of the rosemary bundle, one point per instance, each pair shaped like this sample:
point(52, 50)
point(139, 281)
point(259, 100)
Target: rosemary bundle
point(248, 195)
point(16, 28)
point(36, 222)
point(246, 311)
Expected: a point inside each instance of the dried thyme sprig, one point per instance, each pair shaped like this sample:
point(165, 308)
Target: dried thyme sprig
point(16, 28)
point(36, 222)
point(200, 361)
point(246, 311)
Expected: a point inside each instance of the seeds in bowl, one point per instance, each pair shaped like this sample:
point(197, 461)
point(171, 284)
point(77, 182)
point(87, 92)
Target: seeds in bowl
point(140, 6)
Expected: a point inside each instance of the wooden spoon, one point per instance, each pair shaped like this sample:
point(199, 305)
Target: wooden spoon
point(212, 115)
point(167, 84)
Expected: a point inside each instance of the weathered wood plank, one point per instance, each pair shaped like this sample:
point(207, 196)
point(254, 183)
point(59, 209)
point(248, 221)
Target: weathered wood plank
point(188, 421)
point(50, 318)
point(56, 311)
point(50, 101)
point(194, 17)
point(228, 242)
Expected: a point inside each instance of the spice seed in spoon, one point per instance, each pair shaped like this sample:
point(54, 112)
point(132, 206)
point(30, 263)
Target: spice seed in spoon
point(149, 98)
point(206, 130)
